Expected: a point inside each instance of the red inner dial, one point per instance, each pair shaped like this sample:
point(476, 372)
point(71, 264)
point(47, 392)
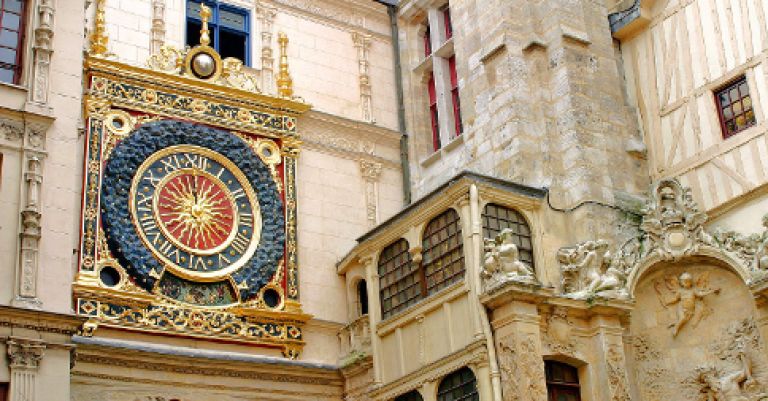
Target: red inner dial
point(196, 210)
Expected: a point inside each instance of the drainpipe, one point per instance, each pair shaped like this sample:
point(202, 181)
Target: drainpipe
point(477, 246)
point(404, 155)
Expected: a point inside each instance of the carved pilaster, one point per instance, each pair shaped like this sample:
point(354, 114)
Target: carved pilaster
point(157, 35)
point(371, 172)
point(41, 52)
point(26, 291)
point(266, 16)
point(363, 45)
point(24, 357)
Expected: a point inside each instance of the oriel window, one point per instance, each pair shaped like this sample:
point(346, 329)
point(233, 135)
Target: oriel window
point(229, 29)
point(734, 106)
point(11, 39)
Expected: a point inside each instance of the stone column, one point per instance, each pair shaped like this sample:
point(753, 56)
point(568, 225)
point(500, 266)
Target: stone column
point(611, 380)
point(516, 330)
point(363, 44)
point(483, 376)
point(374, 312)
point(24, 356)
point(371, 172)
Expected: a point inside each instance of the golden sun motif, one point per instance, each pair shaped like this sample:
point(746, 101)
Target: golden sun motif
point(197, 211)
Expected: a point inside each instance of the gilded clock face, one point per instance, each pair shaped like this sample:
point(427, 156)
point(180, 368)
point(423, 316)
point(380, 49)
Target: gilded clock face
point(196, 211)
point(192, 213)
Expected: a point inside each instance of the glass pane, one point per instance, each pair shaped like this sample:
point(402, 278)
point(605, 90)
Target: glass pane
point(6, 75)
point(724, 101)
point(734, 93)
point(727, 113)
point(230, 19)
point(11, 21)
point(8, 38)
point(747, 101)
point(13, 6)
point(741, 122)
point(193, 9)
point(750, 115)
point(737, 108)
point(744, 89)
point(193, 33)
point(7, 56)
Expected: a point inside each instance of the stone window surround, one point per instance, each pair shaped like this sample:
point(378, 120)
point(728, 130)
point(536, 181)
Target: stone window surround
point(437, 63)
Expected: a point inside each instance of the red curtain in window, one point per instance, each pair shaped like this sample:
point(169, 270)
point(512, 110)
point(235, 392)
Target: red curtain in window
point(433, 112)
point(455, 96)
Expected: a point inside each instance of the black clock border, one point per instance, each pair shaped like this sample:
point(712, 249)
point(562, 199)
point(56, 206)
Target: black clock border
point(123, 239)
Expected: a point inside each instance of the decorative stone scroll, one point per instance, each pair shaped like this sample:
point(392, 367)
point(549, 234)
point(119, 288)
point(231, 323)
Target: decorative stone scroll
point(672, 227)
point(502, 262)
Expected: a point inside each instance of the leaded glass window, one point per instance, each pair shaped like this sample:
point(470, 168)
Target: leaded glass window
point(497, 218)
point(442, 250)
point(400, 281)
point(458, 386)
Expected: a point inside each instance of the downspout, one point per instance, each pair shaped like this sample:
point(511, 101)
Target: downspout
point(404, 154)
point(477, 246)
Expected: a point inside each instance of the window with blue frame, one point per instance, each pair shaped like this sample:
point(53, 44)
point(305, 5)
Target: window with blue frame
point(229, 29)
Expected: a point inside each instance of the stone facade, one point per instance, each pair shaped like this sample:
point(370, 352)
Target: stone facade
point(634, 250)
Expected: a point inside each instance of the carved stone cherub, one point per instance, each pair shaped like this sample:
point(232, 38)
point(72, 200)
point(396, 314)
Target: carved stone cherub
point(688, 297)
point(727, 386)
point(502, 260)
point(587, 271)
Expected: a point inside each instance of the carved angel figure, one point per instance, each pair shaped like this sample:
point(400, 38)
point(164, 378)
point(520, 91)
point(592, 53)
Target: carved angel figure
point(727, 386)
point(688, 297)
point(502, 259)
point(587, 271)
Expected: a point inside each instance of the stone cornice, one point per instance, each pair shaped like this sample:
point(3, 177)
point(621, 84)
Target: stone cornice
point(184, 360)
point(40, 320)
point(437, 201)
point(352, 15)
point(472, 353)
point(349, 138)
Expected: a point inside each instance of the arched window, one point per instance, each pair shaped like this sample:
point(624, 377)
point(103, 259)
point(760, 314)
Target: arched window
point(443, 255)
point(399, 279)
point(458, 386)
point(410, 396)
point(497, 218)
point(562, 381)
point(362, 297)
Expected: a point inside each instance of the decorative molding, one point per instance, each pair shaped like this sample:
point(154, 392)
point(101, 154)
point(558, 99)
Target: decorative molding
point(350, 15)
point(363, 45)
point(26, 290)
point(39, 321)
point(522, 369)
point(617, 375)
point(24, 356)
point(371, 172)
point(41, 52)
point(266, 17)
point(157, 33)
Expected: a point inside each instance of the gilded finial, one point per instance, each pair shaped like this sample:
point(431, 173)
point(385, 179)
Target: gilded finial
point(99, 37)
point(205, 14)
point(284, 81)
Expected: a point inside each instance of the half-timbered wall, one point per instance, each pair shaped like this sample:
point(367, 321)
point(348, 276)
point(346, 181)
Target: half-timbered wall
point(689, 49)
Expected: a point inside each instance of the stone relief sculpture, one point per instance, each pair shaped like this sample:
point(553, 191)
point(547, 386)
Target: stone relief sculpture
point(502, 262)
point(587, 271)
point(522, 370)
point(557, 337)
point(719, 385)
point(688, 297)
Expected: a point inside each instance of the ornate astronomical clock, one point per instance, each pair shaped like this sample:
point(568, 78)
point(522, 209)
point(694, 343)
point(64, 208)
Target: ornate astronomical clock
point(189, 208)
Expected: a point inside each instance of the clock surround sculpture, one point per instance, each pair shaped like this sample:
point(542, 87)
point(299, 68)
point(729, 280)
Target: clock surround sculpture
point(189, 199)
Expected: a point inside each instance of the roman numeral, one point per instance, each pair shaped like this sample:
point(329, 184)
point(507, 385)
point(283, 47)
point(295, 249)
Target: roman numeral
point(223, 260)
point(171, 164)
point(246, 219)
point(167, 249)
point(238, 193)
point(144, 202)
point(240, 243)
point(201, 162)
point(151, 178)
point(196, 263)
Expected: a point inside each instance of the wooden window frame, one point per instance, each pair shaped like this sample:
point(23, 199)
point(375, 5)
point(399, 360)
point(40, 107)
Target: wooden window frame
point(427, 41)
point(737, 84)
point(215, 27)
point(556, 387)
point(434, 114)
point(472, 395)
point(523, 233)
point(447, 22)
point(17, 67)
point(455, 101)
